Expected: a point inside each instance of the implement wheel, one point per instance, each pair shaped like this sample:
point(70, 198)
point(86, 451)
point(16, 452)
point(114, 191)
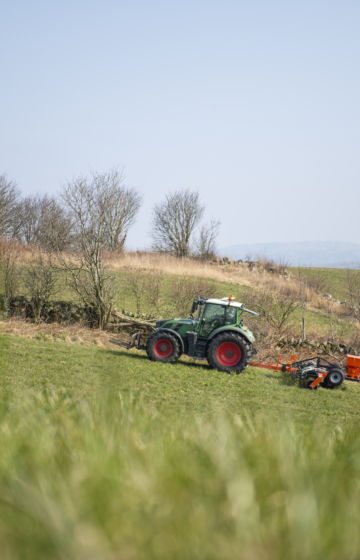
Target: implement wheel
point(334, 378)
point(228, 352)
point(163, 347)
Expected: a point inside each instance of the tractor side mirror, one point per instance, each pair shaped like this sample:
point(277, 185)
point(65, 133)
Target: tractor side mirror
point(194, 307)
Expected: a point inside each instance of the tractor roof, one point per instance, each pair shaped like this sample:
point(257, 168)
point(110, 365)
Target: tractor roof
point(226, 301)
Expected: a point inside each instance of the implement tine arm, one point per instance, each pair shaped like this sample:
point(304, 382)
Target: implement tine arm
point(279, 366)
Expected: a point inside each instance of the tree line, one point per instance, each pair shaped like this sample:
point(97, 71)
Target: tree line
point(72, 233)
point(98, 210)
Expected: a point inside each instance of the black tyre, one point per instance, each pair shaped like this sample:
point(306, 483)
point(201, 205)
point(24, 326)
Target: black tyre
point(228, 352)
point(334, 378)
point(163, 347)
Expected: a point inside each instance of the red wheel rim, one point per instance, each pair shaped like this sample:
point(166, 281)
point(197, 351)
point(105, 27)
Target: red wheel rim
point(163, 348)
point(228, 354)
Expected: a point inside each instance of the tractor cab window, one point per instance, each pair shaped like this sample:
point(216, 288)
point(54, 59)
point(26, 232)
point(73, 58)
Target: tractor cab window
point(215, 316)
point(230, 315)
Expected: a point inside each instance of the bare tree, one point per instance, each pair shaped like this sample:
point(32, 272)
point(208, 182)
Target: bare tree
point(136, 284)
point(206, 246)
point(144, 286)
point(184, 290)
point(174, 222)
point(9, 266)
point(8, 201)
point(40, 282)
point(87, 273)
point(55, 226)
point(119, 206)
point(43, 221)
point(276, 308)
point(153, 290)
point(27, 218)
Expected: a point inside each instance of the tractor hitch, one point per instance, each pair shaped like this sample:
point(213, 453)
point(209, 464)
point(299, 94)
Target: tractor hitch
point(133, 342)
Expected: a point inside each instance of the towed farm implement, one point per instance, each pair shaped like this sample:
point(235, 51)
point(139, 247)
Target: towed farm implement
point(313, 372)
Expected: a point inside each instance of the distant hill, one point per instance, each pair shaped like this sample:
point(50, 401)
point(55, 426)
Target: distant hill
point(328, 254)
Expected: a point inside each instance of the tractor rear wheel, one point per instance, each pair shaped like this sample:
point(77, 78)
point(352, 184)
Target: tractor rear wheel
point(228, 352)
point(163, 347)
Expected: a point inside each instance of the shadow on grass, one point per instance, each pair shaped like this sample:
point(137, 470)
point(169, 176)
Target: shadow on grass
point(139, 356)
point(282, 378)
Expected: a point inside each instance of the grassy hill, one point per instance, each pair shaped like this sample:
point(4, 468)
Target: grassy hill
point(108, 455)
point(139, 277)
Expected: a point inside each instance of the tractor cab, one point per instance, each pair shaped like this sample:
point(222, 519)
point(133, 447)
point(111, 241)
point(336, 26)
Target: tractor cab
point(212, 314)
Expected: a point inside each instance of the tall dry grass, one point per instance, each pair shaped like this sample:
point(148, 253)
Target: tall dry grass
point(258, 278)
point(113, 480)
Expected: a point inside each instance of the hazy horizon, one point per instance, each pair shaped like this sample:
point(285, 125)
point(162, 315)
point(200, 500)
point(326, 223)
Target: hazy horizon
point(324, 254)
point(252, 103)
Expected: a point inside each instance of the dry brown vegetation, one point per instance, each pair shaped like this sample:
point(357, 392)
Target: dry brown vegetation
point(54, 331)
point(258, 278)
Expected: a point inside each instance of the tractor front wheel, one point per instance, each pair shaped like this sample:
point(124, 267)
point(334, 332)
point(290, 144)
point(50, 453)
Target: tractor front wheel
point(228, 352)
point(163, 347)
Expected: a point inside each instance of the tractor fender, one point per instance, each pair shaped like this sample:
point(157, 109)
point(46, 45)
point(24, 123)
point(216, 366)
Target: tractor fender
point(174, 333)
point(233, 330)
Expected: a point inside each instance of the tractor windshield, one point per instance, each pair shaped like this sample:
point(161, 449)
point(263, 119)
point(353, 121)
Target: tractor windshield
point(215, 316)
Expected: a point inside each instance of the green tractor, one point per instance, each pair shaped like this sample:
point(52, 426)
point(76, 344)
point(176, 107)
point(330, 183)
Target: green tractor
point(214, 331)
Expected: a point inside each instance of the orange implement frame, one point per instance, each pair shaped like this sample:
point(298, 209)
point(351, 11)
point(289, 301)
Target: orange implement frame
point(279, 366)
point(353, 367)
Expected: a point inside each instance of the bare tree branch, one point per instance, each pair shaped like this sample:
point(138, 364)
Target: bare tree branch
point(174, 222)
point(275, 308)
point(40, 282)
point(43, 221)
point(206, 245)
point(119, 207)
point(9, 256)
point(8, 201)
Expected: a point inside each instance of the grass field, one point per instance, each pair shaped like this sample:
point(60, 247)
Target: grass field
point(333, 280)
point(106, 455)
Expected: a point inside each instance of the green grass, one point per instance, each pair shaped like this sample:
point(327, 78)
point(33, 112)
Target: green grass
point(334, 280)
point(124, 298)
point(106, 455)
point(90, 372)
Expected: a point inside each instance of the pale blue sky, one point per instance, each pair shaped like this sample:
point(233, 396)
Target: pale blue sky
point(254, 103)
